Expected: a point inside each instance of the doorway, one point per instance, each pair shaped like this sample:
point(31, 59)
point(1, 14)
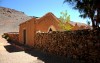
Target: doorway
point(24, 36)
point(50, 30)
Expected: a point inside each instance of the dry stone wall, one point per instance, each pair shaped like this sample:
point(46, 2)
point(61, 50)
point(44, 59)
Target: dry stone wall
point(81, 44)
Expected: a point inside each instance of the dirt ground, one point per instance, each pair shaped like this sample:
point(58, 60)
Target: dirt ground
point(13, 56)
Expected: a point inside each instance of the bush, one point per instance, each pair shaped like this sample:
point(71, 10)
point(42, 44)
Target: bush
point(4, 36)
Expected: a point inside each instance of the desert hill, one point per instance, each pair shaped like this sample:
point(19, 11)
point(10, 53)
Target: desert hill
point(10, 19)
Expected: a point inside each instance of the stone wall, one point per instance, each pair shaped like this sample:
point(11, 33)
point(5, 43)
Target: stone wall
point(83, 45)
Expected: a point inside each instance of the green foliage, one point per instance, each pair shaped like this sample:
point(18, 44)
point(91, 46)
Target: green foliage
point(64, 21)
point(88, 22)
point(6, 37)
point(3, 36)
point(88, 8)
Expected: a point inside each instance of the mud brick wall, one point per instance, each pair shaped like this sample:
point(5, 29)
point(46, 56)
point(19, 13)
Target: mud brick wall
point(83, 44)
point(12, 36)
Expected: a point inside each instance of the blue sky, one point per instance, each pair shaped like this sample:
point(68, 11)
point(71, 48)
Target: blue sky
point(41, 7)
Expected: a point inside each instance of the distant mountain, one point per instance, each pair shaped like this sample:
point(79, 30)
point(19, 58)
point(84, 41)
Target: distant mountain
point(10, 19)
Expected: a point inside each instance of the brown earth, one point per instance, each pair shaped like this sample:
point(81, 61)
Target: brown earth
point(10, 19)
point(15, 57)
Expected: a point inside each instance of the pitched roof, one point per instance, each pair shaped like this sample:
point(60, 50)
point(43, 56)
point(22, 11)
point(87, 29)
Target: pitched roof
point(27, 21)
point(49, 14)
point(38, 20)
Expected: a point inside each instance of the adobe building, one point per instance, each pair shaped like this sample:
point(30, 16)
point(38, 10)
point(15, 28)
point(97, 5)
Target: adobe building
point(45, 24)
point(28, 29)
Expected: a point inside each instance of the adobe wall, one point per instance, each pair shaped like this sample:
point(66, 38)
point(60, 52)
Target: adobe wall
point(45, 22)
point(83, 44)
point(29, 26)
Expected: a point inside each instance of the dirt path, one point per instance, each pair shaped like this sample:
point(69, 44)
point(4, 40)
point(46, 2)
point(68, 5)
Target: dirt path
point(3, 43)
point(15, 57)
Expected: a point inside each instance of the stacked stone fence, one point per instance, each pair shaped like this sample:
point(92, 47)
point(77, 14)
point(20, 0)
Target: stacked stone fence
point(82, 44)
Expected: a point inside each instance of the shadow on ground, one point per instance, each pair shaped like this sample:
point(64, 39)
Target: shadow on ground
point(12, 48)
point(47, 58)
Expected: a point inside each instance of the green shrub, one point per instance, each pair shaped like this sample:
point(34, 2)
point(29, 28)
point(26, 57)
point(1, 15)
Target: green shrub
point(7, 38)
point(4, 36)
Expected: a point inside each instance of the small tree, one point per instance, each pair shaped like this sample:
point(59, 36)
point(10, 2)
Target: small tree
point(64, 21)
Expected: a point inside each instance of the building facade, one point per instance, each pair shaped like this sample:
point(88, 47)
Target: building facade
point(45, 24)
